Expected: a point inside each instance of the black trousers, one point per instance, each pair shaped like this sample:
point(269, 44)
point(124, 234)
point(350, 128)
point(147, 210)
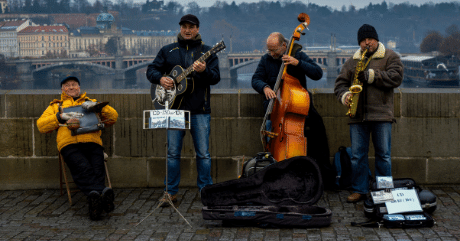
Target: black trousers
point(86, 164)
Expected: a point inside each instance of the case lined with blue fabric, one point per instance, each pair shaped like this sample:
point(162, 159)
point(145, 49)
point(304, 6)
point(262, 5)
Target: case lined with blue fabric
point(281, 195)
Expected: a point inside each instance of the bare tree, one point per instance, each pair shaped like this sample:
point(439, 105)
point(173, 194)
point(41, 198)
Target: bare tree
point(431, 42)
point(450, 46)
point(193, 8)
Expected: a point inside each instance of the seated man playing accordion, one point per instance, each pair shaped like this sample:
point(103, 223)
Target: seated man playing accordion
point(83, 153)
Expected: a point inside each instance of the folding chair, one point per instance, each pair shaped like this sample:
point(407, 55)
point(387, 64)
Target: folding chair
point(63, 177)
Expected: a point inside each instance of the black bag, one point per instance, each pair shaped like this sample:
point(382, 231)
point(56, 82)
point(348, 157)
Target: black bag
point(343, 169)
point(427, 198)
point(257, 163)
point(281, 194)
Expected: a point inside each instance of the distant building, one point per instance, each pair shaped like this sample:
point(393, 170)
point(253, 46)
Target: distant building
point(37, 41)
point(105, 21)
point(147, 42)
point(9, 36)
point(86, 39)
point(74, 20)
point(391, 44)
point(93, 39)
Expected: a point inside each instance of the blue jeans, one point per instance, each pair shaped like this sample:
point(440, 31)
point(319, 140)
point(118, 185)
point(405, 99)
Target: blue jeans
point(200, 127)
point(381, 138)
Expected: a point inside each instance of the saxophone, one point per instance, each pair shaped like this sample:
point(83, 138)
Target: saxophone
point(356, 86)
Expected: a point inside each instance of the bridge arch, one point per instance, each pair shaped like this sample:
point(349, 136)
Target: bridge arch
point(243, 64)
point(137, 66)
point(60, 65)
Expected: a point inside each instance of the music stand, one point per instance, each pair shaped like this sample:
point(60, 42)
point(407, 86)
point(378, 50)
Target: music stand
point(166, 119)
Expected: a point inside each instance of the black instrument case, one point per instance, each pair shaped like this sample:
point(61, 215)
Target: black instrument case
point(427, 198)
point(280, 195)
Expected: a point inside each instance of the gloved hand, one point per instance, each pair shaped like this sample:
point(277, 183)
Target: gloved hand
point(362, 77)
point(87, 105)
point(71, 115)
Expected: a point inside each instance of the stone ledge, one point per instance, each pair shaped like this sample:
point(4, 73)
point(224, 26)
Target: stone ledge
point(42, 173)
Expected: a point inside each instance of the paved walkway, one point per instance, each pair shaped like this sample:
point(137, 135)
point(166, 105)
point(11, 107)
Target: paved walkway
point(45, 215)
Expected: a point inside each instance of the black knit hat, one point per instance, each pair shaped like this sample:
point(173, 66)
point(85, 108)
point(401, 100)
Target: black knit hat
point(367, 31)
point(70, 78)
point(189, 18)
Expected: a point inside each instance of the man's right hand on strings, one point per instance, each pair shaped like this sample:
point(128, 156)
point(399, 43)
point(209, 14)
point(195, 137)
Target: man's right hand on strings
point(167, 83)
point(269, 93)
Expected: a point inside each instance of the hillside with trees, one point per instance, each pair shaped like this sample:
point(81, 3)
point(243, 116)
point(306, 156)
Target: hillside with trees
point(248, 24)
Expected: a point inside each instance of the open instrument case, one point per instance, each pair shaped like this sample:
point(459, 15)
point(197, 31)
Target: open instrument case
point(427, 198)
point(281, 195)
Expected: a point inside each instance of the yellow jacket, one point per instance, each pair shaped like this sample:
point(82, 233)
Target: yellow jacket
point(48, 122)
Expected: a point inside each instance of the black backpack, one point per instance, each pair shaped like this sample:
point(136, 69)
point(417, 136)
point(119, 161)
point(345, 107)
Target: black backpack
point(342, 167)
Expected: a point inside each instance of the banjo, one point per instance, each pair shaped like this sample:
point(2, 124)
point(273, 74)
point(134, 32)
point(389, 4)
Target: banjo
point(182, 85)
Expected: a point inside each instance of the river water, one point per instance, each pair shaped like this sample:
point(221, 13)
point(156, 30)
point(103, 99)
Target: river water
point(109, 81)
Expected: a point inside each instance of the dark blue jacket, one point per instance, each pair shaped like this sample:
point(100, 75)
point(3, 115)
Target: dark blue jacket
point(184, 53)
point(268, 69)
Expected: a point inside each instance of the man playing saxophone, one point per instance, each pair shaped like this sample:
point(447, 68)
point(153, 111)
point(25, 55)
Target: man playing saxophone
point(372, 73)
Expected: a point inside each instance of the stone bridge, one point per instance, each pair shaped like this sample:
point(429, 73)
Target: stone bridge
point(122, 66)
point(125, 67)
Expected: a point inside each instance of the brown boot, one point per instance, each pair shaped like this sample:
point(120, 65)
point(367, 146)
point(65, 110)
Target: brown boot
point(164, 201)
point(355, 197)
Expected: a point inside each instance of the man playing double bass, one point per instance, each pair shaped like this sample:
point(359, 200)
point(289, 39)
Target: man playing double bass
point(300, 66)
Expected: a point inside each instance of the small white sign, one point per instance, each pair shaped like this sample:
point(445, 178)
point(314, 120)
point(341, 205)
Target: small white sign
point(404, 201)
point(381, 196)
point(167, 119)
point(384, 182)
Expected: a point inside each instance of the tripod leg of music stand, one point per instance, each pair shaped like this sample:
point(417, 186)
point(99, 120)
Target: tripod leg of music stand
point(166, 195)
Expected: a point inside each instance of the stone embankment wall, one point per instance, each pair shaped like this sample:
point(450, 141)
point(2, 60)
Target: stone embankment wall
point(426, 137)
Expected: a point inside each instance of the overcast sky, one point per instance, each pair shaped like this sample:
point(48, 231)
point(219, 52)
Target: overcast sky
point(335, 4)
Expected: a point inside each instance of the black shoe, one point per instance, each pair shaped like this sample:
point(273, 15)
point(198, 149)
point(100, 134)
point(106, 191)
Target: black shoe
point(107, 199)
point(95, 205)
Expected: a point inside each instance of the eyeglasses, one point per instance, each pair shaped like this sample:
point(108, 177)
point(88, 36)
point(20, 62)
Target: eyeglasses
point(271, 51)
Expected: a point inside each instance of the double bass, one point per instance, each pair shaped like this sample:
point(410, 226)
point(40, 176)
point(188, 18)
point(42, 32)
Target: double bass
point(288, 110)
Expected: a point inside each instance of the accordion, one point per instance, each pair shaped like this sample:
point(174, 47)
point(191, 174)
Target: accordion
point(89, 122)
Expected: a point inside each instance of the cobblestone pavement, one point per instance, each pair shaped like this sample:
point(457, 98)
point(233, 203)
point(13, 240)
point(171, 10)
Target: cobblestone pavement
point(45, 215)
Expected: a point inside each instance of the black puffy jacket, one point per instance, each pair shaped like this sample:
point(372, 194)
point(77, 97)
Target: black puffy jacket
point(184, 53)
point(268, 69)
